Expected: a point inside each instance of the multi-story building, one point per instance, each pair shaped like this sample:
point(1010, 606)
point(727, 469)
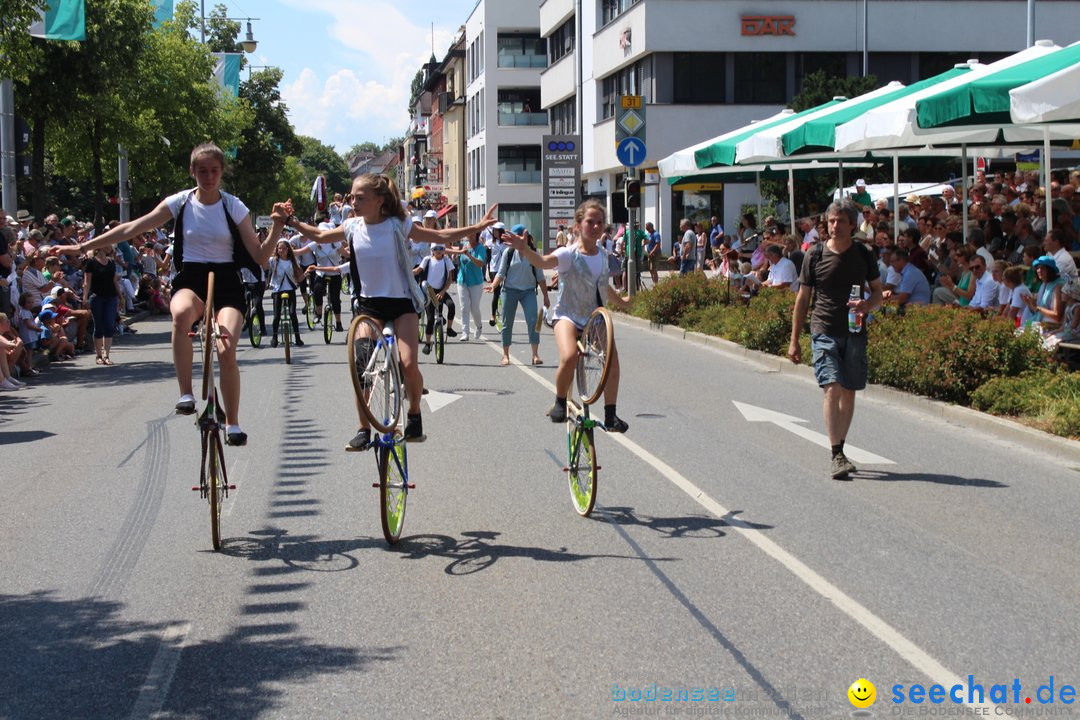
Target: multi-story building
point(504, 121)
point(710, 66)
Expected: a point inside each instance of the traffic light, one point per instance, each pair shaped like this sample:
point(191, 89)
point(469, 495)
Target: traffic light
point(633, 193)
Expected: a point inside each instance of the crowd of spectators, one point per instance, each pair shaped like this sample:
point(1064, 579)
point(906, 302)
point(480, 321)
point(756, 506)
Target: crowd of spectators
point(1008, 263)
point(45, 303)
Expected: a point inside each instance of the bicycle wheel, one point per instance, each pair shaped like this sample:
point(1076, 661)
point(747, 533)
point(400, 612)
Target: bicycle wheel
point(327, 324)
point(393, 489)
point(255, 328)
point(499, 312)
point(374, 373)
point(309, 312)
point(581, 470)
point(440, 341)
point(594, 355)
point(215, 484)
point(208, 336)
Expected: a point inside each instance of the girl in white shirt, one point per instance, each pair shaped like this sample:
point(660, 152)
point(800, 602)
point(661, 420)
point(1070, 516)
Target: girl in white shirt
point(381, 270)
point(285, 277)
point(217, 236)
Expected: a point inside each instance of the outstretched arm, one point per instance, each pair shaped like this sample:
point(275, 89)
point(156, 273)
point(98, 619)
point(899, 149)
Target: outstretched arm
point(124, 231)
point(420, 233)
point(544, 262)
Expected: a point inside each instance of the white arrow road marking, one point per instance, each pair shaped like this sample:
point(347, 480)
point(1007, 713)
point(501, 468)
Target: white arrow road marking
point(790, 423)
point(438, 400)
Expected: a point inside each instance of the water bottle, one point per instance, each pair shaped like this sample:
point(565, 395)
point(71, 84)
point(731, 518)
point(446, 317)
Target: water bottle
point(854, 319)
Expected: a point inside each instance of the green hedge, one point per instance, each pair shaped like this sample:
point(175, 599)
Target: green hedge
point(1048, 399)
point(939, 352)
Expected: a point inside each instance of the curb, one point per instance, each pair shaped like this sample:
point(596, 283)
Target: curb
point(1001, 428)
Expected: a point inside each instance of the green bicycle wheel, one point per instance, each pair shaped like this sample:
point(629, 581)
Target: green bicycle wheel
point(582, 469)
point(393, 489)
point(309, 312)
point(499, 312)
point(440, 342)
point(327, 324)
point(255, 329)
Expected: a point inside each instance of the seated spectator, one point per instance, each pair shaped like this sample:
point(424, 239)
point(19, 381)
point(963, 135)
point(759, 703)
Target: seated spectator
point(1054, 245)
point(1045, 306)
point(782, 272)
point(13, 353)
point(53, 338)
point(890, 277)
point(957, 287)
point(985, 298)
point(1013, 280)
point(793, 252)
point(913, 287)
point(33, 278)
point(1030, 255)
point(62, 301)
point(997, 271)
point(159, 298)
point(1070, 326)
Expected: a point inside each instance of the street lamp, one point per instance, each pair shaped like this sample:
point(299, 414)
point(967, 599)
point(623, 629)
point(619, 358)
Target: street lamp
point(249, 43)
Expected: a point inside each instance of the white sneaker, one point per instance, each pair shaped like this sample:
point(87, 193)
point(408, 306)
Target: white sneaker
point(478, 337)
point(465, 336)
point(16, 383)
point(9, 385)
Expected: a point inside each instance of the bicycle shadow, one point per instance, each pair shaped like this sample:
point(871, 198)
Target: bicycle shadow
point(86, 658)
point(692, 526)
point(474, 551)
point(296, 553)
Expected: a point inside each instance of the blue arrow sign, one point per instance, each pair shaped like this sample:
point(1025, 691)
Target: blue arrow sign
point(631, 151)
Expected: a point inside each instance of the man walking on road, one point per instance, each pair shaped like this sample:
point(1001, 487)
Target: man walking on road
point(832, 271)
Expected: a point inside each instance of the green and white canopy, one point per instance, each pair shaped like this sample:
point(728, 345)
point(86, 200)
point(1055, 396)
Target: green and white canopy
point(684, 162)
point(1053, 98)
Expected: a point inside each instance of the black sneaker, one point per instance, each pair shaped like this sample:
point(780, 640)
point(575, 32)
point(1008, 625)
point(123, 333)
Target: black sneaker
point(273, 342)
point(557, 413)
point(236, 439)
point(299, 343)
point(338, 328)
point(451, 332)
point(491, 322)
point(362, 441)
point(426, 349)
point(414, 429)
point(617, 425)
point(185, 407)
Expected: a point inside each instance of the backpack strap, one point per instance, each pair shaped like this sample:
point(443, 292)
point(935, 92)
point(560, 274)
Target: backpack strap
point(178, 235)
point(241, 256)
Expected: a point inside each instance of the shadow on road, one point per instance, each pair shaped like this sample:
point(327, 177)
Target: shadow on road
point(82, 658)
point(695, 526)
point(23, 436)
point(939, 478)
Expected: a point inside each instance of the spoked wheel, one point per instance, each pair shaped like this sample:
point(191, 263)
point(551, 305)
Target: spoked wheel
point(499, 312)
point(374, 374)
point(309, 312)
point(594, 355)
point(287, 325)
point(327, 324)
point(216, 484)
point(255, 329)
point(208, 335)
point(582, 469)
point(393, 489)
point(440, 342)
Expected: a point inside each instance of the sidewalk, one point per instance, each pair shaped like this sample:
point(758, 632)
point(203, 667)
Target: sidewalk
point(1000, 428)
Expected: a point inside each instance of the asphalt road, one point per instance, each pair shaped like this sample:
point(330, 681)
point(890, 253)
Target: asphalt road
point(720, 556)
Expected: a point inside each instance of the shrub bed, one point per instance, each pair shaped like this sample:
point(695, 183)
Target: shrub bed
point(943, 353)
point(1048, 399)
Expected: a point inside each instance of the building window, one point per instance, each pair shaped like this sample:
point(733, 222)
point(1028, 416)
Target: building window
point(564, 117)
point(611, 9)
point(561, 42)
point(522, 50)
point(630, 80)
point(520, 106)
point(528, 215)
point(698, 78)
point(760, 78)
point(831, 63)
point(887, 67)
point(519, 164)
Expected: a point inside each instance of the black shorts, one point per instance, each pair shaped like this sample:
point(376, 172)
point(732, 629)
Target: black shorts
point(385, 309)
point(228, 287)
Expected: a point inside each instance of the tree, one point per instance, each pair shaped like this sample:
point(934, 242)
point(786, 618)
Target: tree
point(819, 87)
point(259, 171)
point(15, 42)
point(320, 159)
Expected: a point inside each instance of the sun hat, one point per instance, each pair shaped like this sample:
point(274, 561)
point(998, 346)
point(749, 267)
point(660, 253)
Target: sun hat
point(518, 229)
point(431, 214)
point(1072, 289)
point(1044, 261)
point(499, 226)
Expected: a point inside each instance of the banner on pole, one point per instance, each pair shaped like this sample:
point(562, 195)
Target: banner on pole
point(163, 11)
point(63, 20)
point(227, 71)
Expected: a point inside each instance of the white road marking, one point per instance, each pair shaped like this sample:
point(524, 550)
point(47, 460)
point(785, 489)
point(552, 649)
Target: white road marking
point(160, 675)
point(790, 423)
point(438, 400)
point(890, 636)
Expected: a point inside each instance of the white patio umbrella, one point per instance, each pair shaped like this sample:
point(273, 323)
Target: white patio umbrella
point(683, 162)
point(1055, 97)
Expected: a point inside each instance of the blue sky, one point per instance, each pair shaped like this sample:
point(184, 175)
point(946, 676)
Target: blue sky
point(349, 63)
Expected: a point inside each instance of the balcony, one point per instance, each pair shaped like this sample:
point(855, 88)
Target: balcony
point(511, 119)
point(520, 177)
point(536, 62)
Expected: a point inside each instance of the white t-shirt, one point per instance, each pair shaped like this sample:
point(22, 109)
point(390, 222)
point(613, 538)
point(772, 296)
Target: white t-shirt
point(1019, 292)
point(1066, 265)
point(495, 253)
point(420, 250)
point(300, 249)
point(374, 247)
point(987, 256)
point(437, 270)
point(783, 272)
point(206, 234)
point(326, 254)
point(281, 275)
point(985, 292)
point(565, 256)
point(1004, 294)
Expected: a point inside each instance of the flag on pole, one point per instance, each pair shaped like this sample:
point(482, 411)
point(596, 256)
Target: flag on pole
point(163, 11)
point(227, 71)
point(318, 192)
point(63, 20)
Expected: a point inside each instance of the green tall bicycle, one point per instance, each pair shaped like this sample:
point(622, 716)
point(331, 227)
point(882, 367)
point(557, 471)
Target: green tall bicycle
point(375, 368)
point(594, 353)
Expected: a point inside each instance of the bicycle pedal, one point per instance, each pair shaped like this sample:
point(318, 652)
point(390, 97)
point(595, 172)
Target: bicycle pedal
point(196, 488)
point(410, 486)
point(231, 487)
point(374, 485)
point(224, 335)
point(193, 334)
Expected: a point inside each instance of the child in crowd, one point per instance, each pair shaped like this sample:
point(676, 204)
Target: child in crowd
point(12, 353)
point(53, 337)
point(1013, 279)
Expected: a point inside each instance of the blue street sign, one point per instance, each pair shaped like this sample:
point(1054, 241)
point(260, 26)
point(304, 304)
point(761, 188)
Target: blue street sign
point(631, 151)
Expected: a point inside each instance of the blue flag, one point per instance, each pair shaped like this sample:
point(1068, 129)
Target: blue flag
point(64, 20)
point(227, 71)
point(163, 11)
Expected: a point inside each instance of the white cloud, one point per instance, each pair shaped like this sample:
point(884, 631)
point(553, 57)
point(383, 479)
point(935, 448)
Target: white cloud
point(380, 50)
